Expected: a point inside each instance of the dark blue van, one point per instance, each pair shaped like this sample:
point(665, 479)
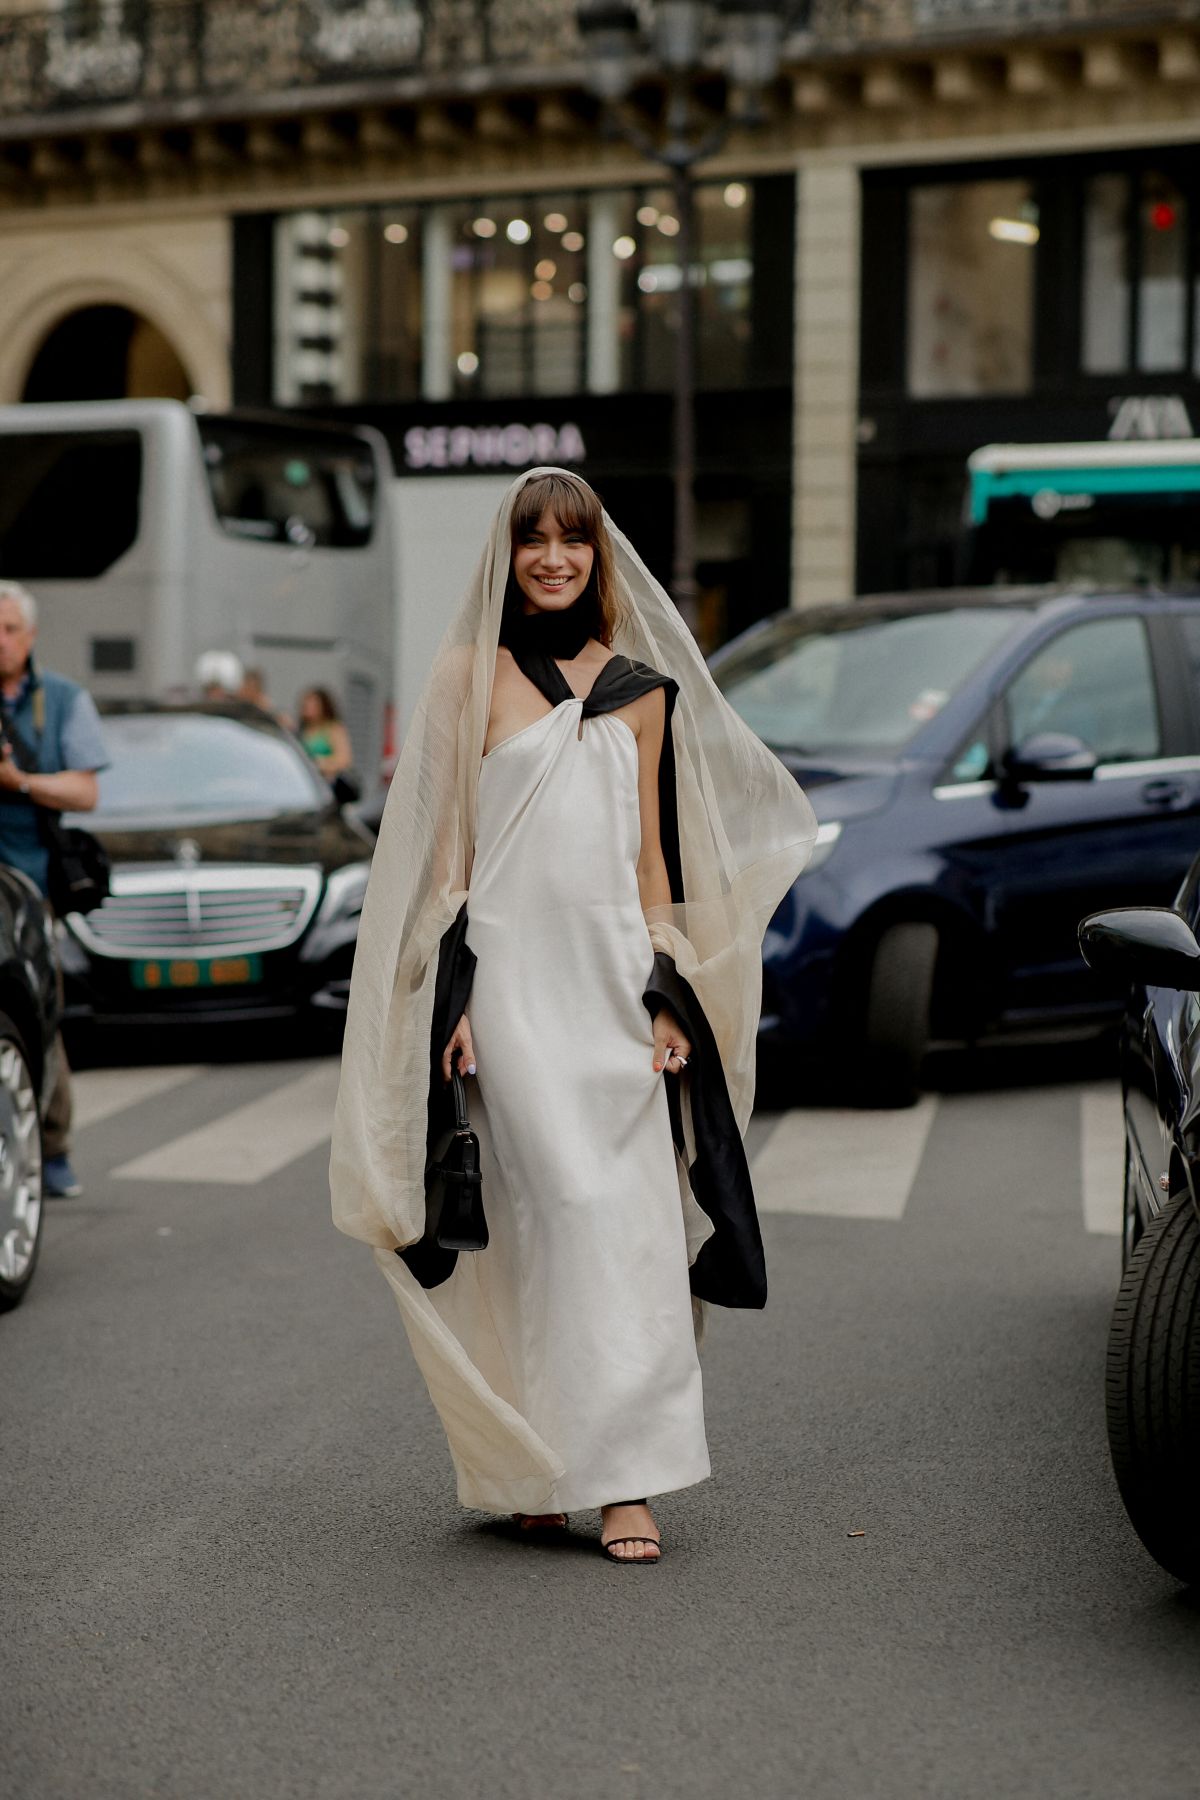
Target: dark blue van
point(987, 767)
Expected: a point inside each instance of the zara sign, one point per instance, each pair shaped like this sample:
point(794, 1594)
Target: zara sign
point(1149, 416)
point(491, 446)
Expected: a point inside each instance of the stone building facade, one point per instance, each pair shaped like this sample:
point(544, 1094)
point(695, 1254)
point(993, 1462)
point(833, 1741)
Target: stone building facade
point(320, 203)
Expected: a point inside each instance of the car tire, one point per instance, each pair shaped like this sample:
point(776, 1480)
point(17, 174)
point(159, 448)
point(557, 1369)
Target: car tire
point(1153, 1388)
point(21, 1202)
point(896, 1029)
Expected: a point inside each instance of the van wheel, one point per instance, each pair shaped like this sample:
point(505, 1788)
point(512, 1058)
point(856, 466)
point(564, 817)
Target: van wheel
point(897, 1018)
point(1153, 1388)
point(20, 1168)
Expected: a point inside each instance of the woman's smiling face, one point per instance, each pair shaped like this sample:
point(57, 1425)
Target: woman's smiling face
point(552, 565)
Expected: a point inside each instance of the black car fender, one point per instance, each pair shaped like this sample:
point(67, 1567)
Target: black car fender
point(1172, 1066)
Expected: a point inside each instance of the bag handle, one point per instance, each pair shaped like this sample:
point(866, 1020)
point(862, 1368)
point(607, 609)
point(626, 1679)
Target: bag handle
point(459, 1089)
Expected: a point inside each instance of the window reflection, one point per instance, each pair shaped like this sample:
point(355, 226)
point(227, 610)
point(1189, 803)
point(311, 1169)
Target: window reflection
point(547, 294)
point(970, 298)
point(517, 296)
point(1136, 228)
point(1105, 323)
point(348, 305)
point(1162, 290)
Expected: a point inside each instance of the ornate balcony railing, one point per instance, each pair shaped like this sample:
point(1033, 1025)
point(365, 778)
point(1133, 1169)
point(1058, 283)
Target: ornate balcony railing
point(104, 51)
point(149, 54)
point(850, 25)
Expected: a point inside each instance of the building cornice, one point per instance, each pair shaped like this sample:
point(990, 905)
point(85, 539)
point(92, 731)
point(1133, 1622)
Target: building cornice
point(869, 81)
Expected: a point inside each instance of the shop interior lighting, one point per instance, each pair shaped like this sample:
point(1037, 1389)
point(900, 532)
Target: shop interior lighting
point(518, 231)
point(467, 363)
point(624, 248)
point(572, 241)
point(668, 225)
point(545, 270)
point(396, 234)
point(1014, 231)
point(647, 215)
point(735, 194)
point(338, 238)
point(541, 290)
point(555, 221)
point(484, 228)
point(663, 278)
point(577, 292)
point(730, 269)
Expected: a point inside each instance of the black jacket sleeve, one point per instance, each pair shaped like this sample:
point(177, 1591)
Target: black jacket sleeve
point(730, 1269)
point(452, 989)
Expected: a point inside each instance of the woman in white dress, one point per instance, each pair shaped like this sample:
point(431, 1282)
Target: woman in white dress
point(614, 840)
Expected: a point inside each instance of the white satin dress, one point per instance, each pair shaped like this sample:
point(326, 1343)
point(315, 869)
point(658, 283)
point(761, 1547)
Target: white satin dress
point(579, 1311)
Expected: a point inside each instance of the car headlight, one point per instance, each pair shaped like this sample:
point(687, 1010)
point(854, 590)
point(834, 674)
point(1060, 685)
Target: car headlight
point(827, 836)
point(344, 892)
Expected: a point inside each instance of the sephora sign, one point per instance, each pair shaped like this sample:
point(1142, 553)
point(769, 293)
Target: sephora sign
point(491, 446)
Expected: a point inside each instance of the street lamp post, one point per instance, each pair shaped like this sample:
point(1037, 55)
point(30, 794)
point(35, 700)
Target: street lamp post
point(680, 47)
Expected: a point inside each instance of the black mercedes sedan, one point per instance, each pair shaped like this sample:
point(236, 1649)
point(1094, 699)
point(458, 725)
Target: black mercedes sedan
point(238, 877)
point(28, 1028)
point(1153, 1375)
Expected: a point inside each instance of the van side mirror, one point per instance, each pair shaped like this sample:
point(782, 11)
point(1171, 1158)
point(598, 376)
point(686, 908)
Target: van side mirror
point(346, 788)
point(1050, 756)
point(1151, 944)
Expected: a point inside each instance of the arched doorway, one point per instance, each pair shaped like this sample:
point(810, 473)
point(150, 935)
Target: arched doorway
point(106, 353)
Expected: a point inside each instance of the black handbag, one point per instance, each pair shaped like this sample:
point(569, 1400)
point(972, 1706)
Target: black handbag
point(77, 878)
point(453, 1188)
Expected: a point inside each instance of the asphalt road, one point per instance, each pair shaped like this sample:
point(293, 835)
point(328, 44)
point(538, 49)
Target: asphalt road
point(233, 1565)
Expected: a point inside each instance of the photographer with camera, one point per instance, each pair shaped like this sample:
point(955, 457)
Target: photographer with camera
point(51, 750)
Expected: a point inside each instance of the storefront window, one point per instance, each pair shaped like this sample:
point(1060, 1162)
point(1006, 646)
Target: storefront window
point(970, 295)
point(1135, 235)
point(551, 294)
point(1162, 296)
point(393, 334)
point(517, 296)
point(348, 305)
point(1105, 323)
point(646, 245)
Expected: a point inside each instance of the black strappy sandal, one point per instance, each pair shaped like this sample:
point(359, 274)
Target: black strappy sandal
point(638, 1562)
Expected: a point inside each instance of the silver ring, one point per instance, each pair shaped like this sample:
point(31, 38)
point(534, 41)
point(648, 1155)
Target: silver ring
point(681, 1060)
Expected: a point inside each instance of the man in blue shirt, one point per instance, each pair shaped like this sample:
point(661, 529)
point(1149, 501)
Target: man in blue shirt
point(58, 720)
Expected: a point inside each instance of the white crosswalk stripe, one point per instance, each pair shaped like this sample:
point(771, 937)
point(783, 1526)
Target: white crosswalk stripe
point(843, 1164)
point(825, 1162)
point(252, 1142)
point(100, 1093)
point(1102, 1156)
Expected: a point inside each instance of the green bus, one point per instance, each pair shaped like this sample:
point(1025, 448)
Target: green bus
point(1116, 514)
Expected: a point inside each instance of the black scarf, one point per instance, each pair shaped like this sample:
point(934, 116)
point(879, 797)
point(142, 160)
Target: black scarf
point(560, 635)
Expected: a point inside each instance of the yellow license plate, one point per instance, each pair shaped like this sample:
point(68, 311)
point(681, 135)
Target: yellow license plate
point(195, 972)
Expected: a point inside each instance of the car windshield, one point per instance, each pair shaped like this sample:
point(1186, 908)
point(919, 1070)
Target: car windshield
point(174, 764)
point(858, 684)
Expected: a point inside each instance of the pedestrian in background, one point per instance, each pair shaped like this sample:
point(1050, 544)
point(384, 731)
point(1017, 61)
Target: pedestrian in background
point(582, 849)
point(219, 675)
point(254, 691)
point(323, 734)
point(55, 720)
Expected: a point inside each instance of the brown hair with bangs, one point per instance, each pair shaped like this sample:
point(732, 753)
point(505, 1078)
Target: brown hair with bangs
point(577, 507)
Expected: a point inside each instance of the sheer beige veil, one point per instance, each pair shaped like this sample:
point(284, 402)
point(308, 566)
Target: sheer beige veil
point(745, 831)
